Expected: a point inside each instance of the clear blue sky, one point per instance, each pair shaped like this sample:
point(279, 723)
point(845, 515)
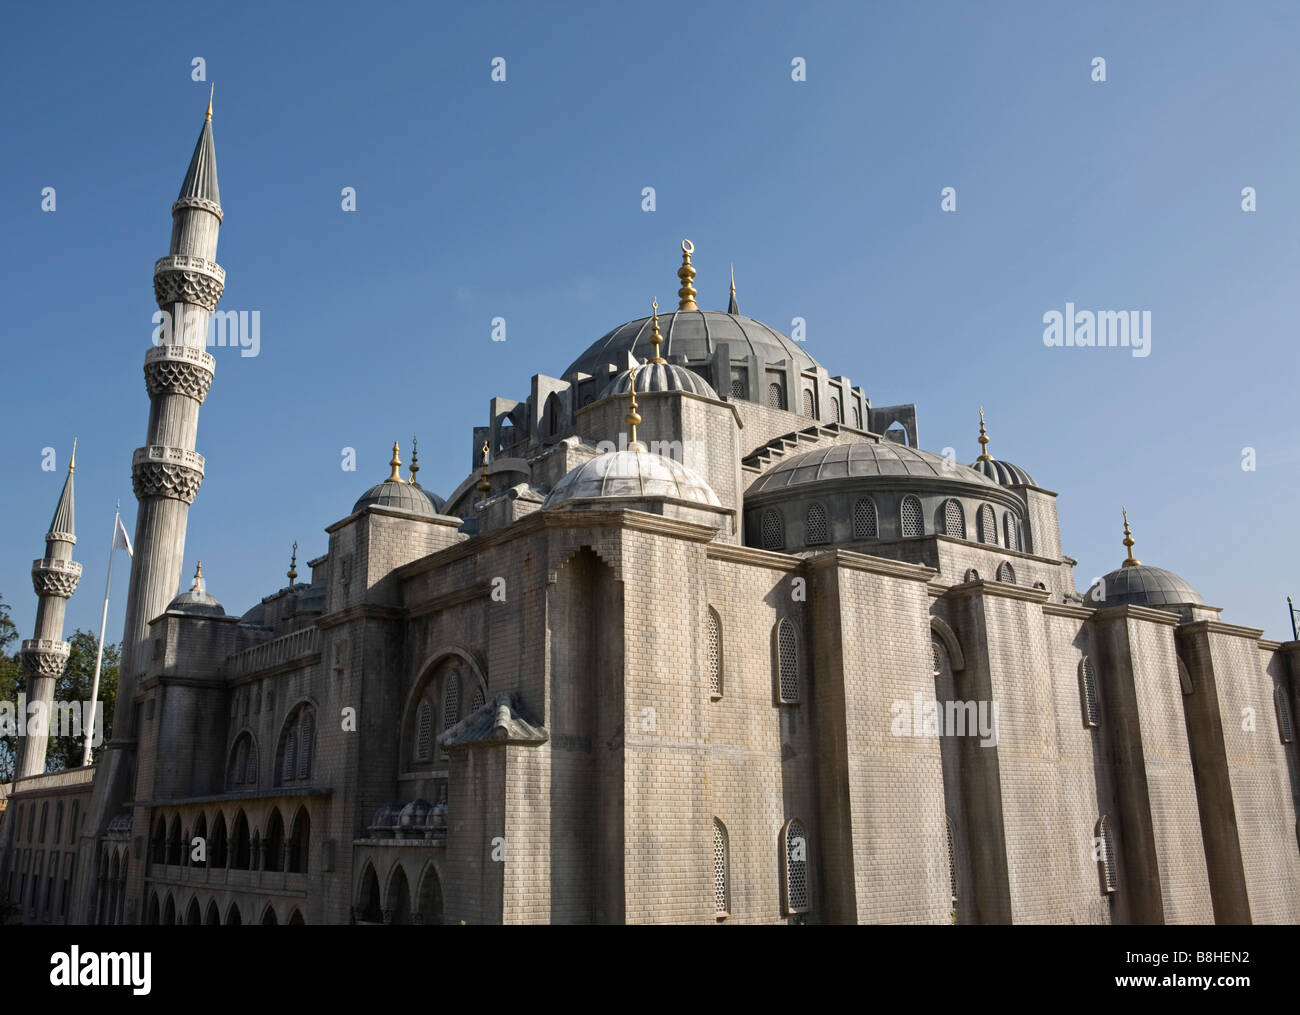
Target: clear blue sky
point(523, 200)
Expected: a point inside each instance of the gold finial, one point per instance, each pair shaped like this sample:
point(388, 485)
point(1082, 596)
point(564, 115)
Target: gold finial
point(733, 280)
point(984, 441)
point(395, 464)
point(415, 463)
point(484, 484)
point(293, 565)
point(72, 462)
point(686, 294)
point(633, 417)
point(1131, 561)
point(211, 89)
point(198, 573)
point(656, 339)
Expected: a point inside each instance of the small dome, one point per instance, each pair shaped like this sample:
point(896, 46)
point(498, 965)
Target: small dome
point(1142, 585)
point(196, 602)
point(415, 814)
point(1003, 473)
point(400, 496)
point(660, 377)
point(847, 461)
point(386, 819)
point(634, 475)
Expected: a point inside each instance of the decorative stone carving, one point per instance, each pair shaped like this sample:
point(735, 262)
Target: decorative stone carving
point(198, 202)
point(180, 278)
point(44, 658)
point(158, 471)
point(55, 577)
point(168, 376)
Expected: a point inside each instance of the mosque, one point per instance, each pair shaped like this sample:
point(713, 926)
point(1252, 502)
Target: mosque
point(643, 665)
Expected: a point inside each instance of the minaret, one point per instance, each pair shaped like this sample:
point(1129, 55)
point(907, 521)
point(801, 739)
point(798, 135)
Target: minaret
point(167, 471)
point(54, 577)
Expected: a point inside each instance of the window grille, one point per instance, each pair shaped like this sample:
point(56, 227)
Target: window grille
point(809, 407)
point(1106, 855)
point(864, 519)
point(988, 524)
point(721, 869)
point(773, 530)
point(837, 411)
point(715, 653)
point(1013, 532)
point(1091, 705)
point(290, 754)
point(775, 396)
point(476, 699)
point(796, 867)
point(788, 651)
point(911, 517)
point(306, 733)
point(1006, 573)
point(424, 732)
point(816, 526)
point(954, 519)
point(1285, 724)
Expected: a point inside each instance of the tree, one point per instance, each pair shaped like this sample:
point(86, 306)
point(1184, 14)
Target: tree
point(10, 685)
point(74, 685)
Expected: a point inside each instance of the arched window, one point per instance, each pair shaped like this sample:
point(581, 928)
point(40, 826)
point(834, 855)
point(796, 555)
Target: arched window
point(476, 700)
point(715, 653)
point(787, 662)
point(1012, 528)
point(158, 844)
point(306, 738)
point(1285, 723)
point(233, 919)
point(243, 762)
point(451, 702)
point(988, 525)
point(910, 517)
point(295, 919)
point(775, 396)
point(397, 905)
point(1104, 849)
point(169, 912)
point(424, 732)
point(289, 755)
point(857, 418)
point(837, 410)
point(865, 521)
point(240, 843)
point(809, 404)
point(816, 526)
point(1088, 693)
point(554, 414)
point(954, 519)
point(795, 853)
point(952, 865)
point(721, 870)
point(299, 842)
point(738, 389)
point(1006, 573)
point(217, 848)
point(429, 897)
point(213, 916)
point(273, 844)
point(971, 575)
point(296, 749)
point(773, 530)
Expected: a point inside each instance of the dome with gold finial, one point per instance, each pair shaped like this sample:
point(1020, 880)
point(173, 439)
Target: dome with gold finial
point(197, 602)
point(656, 373)
point(1002, 473)
point(396, 493)
point(691, 336)
point(1136, 584)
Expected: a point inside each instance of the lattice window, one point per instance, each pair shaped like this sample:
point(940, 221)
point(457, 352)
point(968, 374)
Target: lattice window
point(788, 661)
point(738, 388)
point(451, 702)
point(952, 861)
point(796, 867)
point(775, 396)
point(988, 525)
point(240, 764)
point(773, 530)
point(715, 653)
point(1013, 531)
point(816, 526)
point(1006, 573)
point(721, 869)
point(954, 519)
point(910, 516)
point(1285, 723)
point(306, 734)
point(837, 410)
point(937, 658)
point(857, 418)
point(1105, 851)
point(477, 699)
point(809, 406)
point(972, 575)
point(1088, 690)
point(424, 732)
point(865, 525)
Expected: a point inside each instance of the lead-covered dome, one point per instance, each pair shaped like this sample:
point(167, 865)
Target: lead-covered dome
point(1003, 473)
point(693, 335)
point(400, 496)
point(631, 475)
point(847, 461)
point(651, 377)
point(197, 602)
point(1142, 585)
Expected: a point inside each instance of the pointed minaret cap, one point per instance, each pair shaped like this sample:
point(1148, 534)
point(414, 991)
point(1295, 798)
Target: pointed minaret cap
point(201, 179)
point(211, 88)
point(732, 306)
point(63, 525)
point(984, 441)
point(1130, 561)
point(686, 294)
point(395, 464)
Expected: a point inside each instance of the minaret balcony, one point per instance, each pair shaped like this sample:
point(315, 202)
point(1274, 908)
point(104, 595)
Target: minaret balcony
point(161, 471)
point(178, 369)
point(54, 577)
point(44, 657)
point(184, 278)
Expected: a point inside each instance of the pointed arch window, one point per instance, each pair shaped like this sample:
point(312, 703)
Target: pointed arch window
point(1285, 721)
point(306, 738)
point(794, 851)
point(988, 525)
point(809, 404)
point(816, 525)
point(1104, 848)
point(1006, 573)
point(954, 519)
point(1088, 693)
point(787, 662)
point(952, 864)
point(715, 654)
point(424, 732)
point(775, 396)
point(477, 699)
point(773, 530)
point(837, 411)
point(721, 870)
point(296, 750)
point(1012, 527)
point(910, 517)
point(865, 520)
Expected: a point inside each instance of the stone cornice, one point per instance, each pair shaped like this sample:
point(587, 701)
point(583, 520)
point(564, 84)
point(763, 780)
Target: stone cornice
point(851, 561)
point(390, 512)
point(1067, 610)
point(449, 599)
point(998, 590)
point(1219, 627)
point(220, 798)
point(1131, 612)
point(360, 611)
point(753, 556)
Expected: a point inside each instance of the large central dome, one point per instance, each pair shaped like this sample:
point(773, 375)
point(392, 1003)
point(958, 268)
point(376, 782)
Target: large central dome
point(693, 334)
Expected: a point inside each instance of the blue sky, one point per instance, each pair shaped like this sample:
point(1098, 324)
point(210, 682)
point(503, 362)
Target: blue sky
point(522, 200)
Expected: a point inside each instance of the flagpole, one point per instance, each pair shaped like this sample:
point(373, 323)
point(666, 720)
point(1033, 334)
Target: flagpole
point(99, 656)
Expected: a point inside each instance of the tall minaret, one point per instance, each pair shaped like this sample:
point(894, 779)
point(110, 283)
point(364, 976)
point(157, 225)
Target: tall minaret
point(167, 471)
point(55, 578)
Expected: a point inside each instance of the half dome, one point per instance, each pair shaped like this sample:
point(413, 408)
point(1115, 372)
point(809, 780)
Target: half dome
point(846, 461)
point(631, 475)
point(1003, 473)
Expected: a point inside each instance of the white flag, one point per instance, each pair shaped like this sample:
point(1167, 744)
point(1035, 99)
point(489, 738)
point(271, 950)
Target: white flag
point(121, 541)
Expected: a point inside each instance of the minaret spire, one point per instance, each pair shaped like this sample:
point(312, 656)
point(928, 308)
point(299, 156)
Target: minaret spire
point(1130, 561)
point(984, 441)
point(415, 464)
point(44, 657)
point(733, 307)
point(211, 88)
point(396, 465)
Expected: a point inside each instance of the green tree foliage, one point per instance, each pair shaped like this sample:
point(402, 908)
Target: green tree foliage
point(10, 684)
